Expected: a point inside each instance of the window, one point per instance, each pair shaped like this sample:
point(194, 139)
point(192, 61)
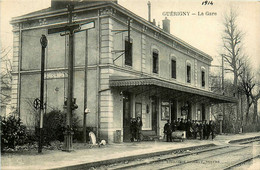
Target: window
point(203, 78)
point(173, 63)
point(128, 53)
point(155, 62)
point(188, 74)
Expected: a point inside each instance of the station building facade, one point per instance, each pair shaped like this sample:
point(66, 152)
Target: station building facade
point(148, 73)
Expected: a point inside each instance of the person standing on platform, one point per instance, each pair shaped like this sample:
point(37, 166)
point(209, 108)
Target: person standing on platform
point(133, 129)
point(194, 128)
point(178, 123)
point(174, 125)
point(205, 129)
point(182, 125)
point(200, 129)
point(139, 125)
point(188, 128)
point(168, 131)
point(211, 129)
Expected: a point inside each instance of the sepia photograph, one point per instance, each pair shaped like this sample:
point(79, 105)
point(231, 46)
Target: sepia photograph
point(137, 84)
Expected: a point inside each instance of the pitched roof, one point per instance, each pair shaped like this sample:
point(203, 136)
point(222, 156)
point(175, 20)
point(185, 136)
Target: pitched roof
point(50, 11)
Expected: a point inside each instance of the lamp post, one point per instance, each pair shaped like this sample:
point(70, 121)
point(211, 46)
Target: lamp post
point(44, 43)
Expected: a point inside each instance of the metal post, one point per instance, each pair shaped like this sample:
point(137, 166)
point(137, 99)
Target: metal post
point(68, 133)
point(44, 45)
point(85, 90)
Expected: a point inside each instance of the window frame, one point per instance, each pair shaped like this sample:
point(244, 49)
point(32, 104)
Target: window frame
point(153, 62)
point(173, 59)
point(203, 70)
point(188, 76)
point(131, 52)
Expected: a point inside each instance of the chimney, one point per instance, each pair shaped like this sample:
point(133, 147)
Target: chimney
point(154, 22)
point(149, 11)
point(166, 25)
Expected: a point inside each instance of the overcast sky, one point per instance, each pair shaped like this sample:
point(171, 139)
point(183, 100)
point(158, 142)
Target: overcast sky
point(202, 32)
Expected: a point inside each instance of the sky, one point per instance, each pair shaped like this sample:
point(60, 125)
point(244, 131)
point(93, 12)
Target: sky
point(200, 31)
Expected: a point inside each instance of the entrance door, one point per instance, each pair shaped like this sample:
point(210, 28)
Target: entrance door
point(154, 114)
point(126, 117)
point(203, 112)
point(173, 110)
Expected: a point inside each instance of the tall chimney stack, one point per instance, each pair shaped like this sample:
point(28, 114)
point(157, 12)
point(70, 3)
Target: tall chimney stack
point(149, 11)
point(166, 25)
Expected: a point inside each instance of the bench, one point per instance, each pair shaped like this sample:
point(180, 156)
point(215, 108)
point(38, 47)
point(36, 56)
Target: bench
point(149, 135)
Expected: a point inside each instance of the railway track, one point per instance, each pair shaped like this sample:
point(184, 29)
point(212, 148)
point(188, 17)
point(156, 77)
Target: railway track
point(219, 157)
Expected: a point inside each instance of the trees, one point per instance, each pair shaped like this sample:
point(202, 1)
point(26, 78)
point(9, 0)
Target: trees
point(5, 77)
point(232, 46)
point(232, 52)
point(249, 83)
point(244, 79)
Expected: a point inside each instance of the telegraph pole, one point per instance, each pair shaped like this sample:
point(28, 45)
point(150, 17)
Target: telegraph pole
point(69, 133)
point(70, 29)
point(44, 42)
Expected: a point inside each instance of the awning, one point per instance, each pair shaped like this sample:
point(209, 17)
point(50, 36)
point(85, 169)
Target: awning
point(124, 81)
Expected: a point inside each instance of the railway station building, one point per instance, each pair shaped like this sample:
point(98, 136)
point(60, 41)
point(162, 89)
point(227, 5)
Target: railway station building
point(134, 69)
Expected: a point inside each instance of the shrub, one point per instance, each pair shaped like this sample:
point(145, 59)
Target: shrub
point(13, 133)
point(54, 126)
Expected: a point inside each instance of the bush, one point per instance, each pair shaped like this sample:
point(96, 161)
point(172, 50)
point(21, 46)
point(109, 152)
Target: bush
point(54, 124)
point(251, 127)
point(13, 133)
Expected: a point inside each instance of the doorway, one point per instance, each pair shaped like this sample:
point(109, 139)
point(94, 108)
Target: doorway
point(189, 110)
point(154, 114)
point(173, 110)
point(126, 117)
point(203, 112)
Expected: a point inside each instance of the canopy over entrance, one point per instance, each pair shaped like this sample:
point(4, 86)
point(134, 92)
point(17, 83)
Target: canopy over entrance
point(170, 88)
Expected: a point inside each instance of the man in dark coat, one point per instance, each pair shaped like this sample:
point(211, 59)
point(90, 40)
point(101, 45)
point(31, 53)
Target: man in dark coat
point(205, 129)
point(194, 128)
point(188, 128)
point(174, 125)
point(200, 129)
point(182, 125)
point(211, 129)
point(139, 125)
point(168, 131)
point(133, 129)
point(178, 123)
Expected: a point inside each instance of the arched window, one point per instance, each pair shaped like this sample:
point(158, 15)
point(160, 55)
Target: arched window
point(173, 67)
point(203, 75)
point(155, 61)
point(188, 72)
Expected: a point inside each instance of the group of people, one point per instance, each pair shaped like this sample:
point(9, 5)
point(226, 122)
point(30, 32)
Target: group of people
point(191, 127)
point(135, 129)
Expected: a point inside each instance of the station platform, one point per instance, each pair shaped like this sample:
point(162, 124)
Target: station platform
point(84, 155)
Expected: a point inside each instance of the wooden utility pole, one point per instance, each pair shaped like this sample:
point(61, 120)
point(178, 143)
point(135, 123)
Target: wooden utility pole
point(44, 42)
point(69, 134)
point(70, 29)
